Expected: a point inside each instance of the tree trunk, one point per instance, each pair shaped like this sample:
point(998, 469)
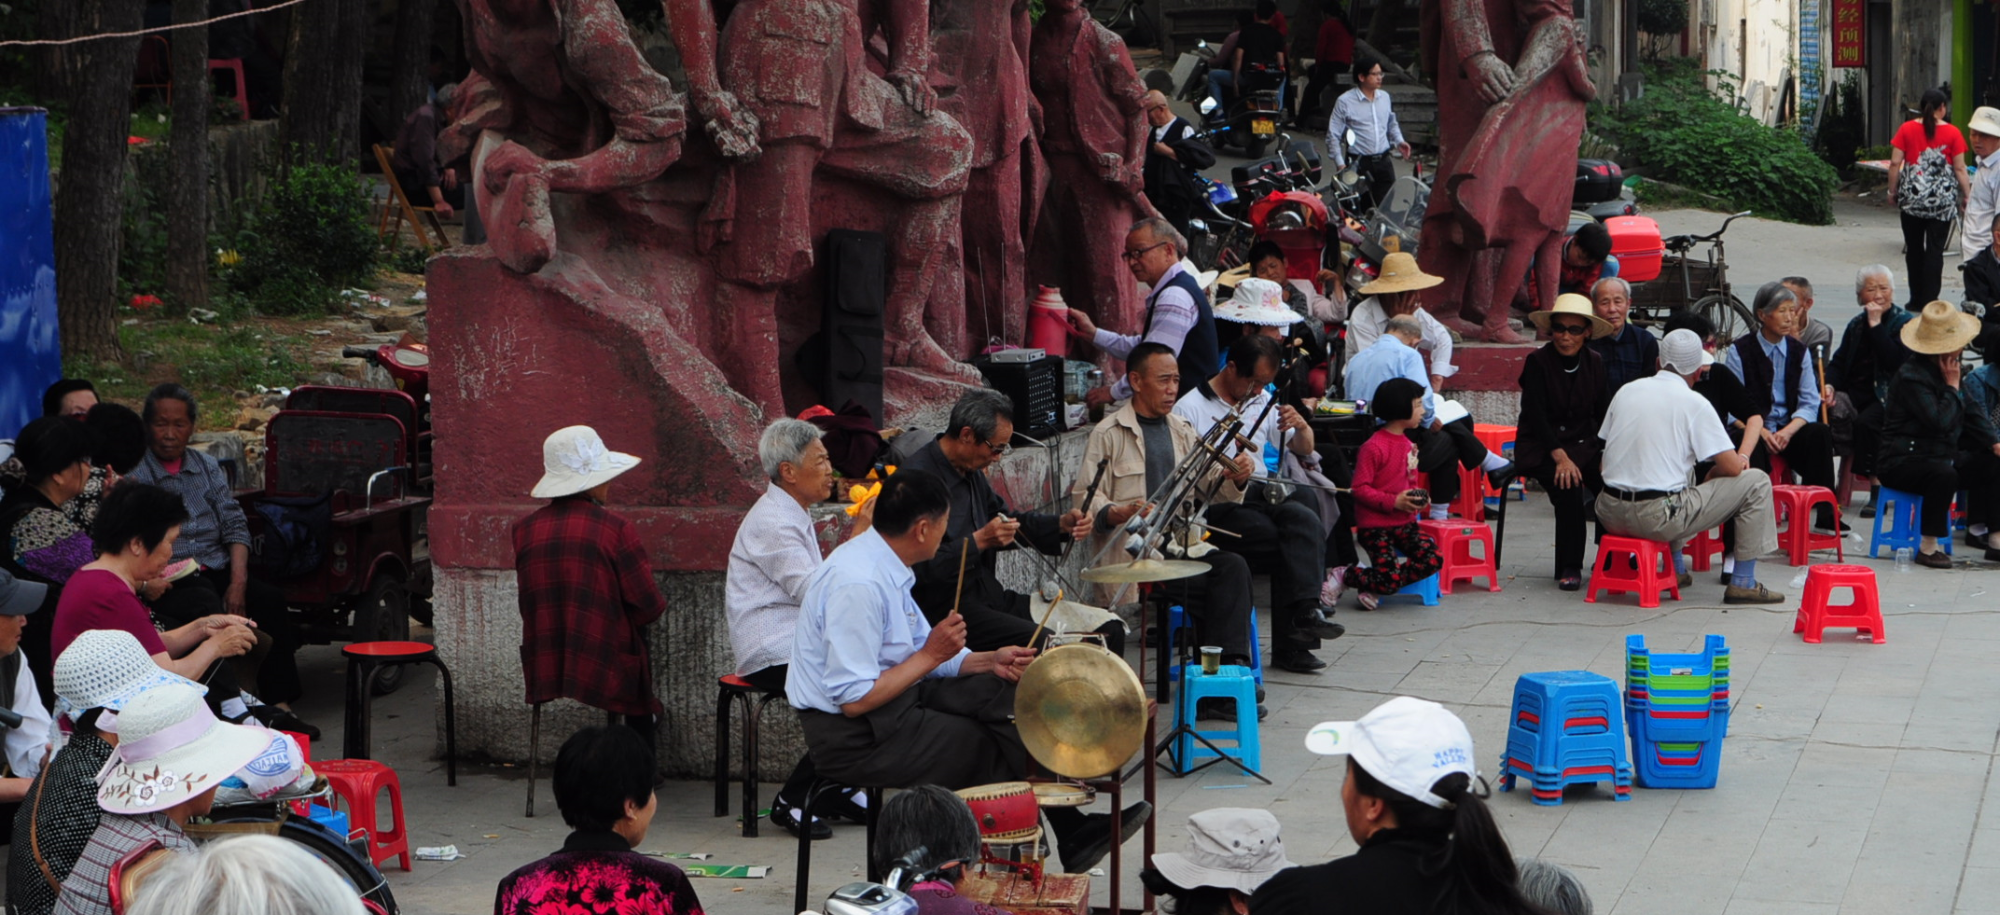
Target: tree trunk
point(187, 200)
point(409, 84)
point(53, 62)
point(322, 109)
point(88, 201)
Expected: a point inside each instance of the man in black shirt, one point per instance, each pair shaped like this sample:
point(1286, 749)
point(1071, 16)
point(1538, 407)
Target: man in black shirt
point(1259, 44)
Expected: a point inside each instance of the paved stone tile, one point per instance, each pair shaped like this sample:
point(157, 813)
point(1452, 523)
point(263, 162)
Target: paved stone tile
point(1802, 861)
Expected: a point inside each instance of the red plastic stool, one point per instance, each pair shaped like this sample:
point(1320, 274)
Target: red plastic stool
point(1454, 542)
point(1864, 613)
point(1701, 547)
point(1642, 576)
point(306, 753)
point(234, 67)
point(358, 782)
point(1781, 472)
point(1792, 508)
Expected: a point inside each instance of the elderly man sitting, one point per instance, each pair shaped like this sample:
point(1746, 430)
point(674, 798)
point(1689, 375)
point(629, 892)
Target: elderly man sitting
point(886, 700)
point(981, 425)
point(1779, 378)
point(1655, 433)
point(1438, 444)
point(1397, 291)
point(1288, 530)
point(1629, 352)
point(776, 550)
point(1982, 274)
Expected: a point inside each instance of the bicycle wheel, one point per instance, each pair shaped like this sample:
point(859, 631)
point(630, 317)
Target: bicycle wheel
point(1731, 318)
point(368, 883)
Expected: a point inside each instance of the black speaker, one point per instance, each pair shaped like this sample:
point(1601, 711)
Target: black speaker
point(856, 290)
point(1036, 388)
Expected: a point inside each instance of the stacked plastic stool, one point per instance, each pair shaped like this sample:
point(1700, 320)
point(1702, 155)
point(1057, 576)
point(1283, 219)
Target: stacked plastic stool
point(1455, 539)
point(1702, 546)
point(1792, 507)
point(1232, 682)
point(1567, 728)
point(1628, 565)
point(1677, 710)
point(1863, 613)
point(1896, 514)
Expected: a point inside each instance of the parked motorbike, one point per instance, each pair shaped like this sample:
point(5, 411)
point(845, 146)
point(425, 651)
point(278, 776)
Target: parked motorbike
point(1251, 121)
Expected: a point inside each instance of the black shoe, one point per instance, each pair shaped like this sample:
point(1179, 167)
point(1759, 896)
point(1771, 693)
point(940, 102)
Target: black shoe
point(1824, 521)
point(1934, 560)
point(1726, 578)
point(1868, 511)
point(1569, 581)
point(1976, 541)
point(1499, 477)
point(1219, 708)
point(781, 814)
point(1319, 624)
point(278, 719)
point(1090, 842)
point(1298, 662)
point(841, 804)
point(1992, 555)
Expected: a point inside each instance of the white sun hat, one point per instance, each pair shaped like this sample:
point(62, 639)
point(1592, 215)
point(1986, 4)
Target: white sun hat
point(1259, 302)
point(1406, 743)
point(575, 460)
point(1231, 847)
point(107, 668)
point(171, 748)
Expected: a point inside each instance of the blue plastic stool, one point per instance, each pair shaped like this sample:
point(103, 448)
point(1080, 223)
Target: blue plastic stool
point(1900, 510)
point(1177, 620)
point(1677, 711)
point(1234, 682)
point(1567, 728)
point(1427, 589)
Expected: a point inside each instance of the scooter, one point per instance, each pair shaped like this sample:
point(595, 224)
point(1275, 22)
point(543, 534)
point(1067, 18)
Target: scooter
point(1251, 121)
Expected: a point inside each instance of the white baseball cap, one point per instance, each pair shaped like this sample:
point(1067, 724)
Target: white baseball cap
point(1405, 743)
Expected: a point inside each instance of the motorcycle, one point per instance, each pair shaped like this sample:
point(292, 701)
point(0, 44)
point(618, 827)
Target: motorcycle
point(1251, 120)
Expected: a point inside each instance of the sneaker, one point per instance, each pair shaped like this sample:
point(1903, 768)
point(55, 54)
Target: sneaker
point(1367, 600)
point(1298, 662)
point(1090, 842)
point(786, 815)
point(1754, 595)
point(1336, 585)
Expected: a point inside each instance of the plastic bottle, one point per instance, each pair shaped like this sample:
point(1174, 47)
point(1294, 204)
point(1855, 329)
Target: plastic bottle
point(1799, 580)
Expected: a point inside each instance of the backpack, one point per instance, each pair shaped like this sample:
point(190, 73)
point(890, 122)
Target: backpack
point(1928, 189)
point(294, 539)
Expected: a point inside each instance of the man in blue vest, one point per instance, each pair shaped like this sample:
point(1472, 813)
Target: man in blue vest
point(1780, 381)
point(1177, 313)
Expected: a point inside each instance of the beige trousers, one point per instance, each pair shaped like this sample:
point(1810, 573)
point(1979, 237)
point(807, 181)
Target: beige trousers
point(1744, 500)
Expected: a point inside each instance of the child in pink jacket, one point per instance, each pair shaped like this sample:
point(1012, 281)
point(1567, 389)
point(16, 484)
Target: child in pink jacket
point(1386, 502)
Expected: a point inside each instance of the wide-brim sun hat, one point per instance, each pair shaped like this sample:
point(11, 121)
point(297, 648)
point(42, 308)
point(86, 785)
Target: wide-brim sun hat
point(575, 460)
point(1405, 743)
point(1234, 848)
point(1940, 328)
point(170, 749)
point(108, 668)
point(1576, 306)
point(1400, 273)
point(1985, 120)
point(1256, 301)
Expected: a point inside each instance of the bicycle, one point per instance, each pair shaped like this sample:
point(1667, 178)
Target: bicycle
point(1702, 285)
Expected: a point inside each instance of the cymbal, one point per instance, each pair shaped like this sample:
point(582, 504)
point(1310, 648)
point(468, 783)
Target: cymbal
point(1080, 710)
point(1144, 570)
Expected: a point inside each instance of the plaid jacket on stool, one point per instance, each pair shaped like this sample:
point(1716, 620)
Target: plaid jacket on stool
point(587, 594)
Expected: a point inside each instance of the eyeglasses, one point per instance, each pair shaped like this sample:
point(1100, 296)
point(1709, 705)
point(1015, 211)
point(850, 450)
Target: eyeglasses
point(1572, 329)
point(1135, 255)
point(999, 447)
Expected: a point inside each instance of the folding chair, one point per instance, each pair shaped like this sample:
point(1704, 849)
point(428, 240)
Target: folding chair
point(398, 208)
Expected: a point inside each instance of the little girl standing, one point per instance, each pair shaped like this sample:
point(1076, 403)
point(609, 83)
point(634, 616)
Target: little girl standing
point(1386, 502)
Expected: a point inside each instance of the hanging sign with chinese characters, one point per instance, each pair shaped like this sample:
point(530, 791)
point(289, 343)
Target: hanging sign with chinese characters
point(1850, 33)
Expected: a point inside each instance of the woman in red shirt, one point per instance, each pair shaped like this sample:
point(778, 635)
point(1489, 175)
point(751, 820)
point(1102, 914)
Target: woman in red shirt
point(1929, 195)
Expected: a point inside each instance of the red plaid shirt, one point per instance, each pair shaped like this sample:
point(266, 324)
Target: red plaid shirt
point(587, 594)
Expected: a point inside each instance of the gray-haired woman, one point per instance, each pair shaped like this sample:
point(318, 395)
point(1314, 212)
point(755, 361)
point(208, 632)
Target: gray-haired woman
point(934, 829)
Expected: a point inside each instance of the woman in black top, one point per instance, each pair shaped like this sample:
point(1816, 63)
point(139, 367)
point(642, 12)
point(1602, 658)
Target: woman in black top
point(1925, 423)
point(1564, 393)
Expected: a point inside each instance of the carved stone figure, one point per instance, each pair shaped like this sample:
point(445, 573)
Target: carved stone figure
point(1094, 134)
point(1511, 85)
point(980, 69)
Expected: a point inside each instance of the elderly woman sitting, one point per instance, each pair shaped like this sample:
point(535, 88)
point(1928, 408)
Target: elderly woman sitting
point(1931, 444)
point(932, 828)
point(1782, 383)
point(1231, 851)
point(1564, 393)
point(42, 542)
point(1871, 350)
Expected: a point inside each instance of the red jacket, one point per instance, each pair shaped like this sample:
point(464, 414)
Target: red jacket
point(587, 594)
point(1385, 469)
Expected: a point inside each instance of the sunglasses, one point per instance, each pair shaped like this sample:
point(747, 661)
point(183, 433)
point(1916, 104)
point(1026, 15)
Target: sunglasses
point(1572, 329)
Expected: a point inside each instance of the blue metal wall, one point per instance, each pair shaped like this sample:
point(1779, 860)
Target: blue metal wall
point(30, 354)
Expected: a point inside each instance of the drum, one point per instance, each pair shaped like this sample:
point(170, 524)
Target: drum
point(1006, 811)
point(1057, 794)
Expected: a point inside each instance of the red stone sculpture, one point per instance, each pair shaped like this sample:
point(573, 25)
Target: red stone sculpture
point(1511, 86)
point(1093, 133)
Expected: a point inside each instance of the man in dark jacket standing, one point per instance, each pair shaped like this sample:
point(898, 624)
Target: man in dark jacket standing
point(1173, 156)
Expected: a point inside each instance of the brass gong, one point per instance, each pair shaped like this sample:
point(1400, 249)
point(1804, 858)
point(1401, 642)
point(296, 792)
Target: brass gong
point(1140, 571)
point(1080, 710)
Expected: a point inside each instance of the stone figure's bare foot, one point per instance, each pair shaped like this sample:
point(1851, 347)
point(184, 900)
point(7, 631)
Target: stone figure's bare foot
point(1501, 331)
point(922, 353)
point(1461, 326)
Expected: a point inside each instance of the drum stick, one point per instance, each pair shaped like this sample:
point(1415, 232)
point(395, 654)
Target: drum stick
point(1819, 377)
point(1045, 618)
point(959, 592)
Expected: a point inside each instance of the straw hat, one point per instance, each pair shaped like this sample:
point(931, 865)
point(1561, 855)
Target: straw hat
point(1234, 848)
point(1940, 328)
point(1576, 306)
point(107, 668)
point(1400, 273)
point(1259, 302)
point(575, 460)
point(170, 749)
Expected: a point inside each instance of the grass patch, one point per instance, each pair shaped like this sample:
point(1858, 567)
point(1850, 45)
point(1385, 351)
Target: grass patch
point(213, 361)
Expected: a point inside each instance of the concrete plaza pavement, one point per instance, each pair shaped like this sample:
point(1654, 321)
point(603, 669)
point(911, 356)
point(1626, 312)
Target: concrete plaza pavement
point(1854, 778)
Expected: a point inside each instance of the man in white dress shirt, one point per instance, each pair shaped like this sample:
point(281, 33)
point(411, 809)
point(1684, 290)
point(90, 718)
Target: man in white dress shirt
point(1365, 110)
point(776, 549)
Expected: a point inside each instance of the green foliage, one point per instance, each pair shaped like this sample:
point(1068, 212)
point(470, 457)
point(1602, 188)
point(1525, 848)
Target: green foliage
point(1682, 132)
point(309, 239)
point(1843, 127)
point(142, 245)
point(213, 360)
point(1662, 17)
point(410, 259)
